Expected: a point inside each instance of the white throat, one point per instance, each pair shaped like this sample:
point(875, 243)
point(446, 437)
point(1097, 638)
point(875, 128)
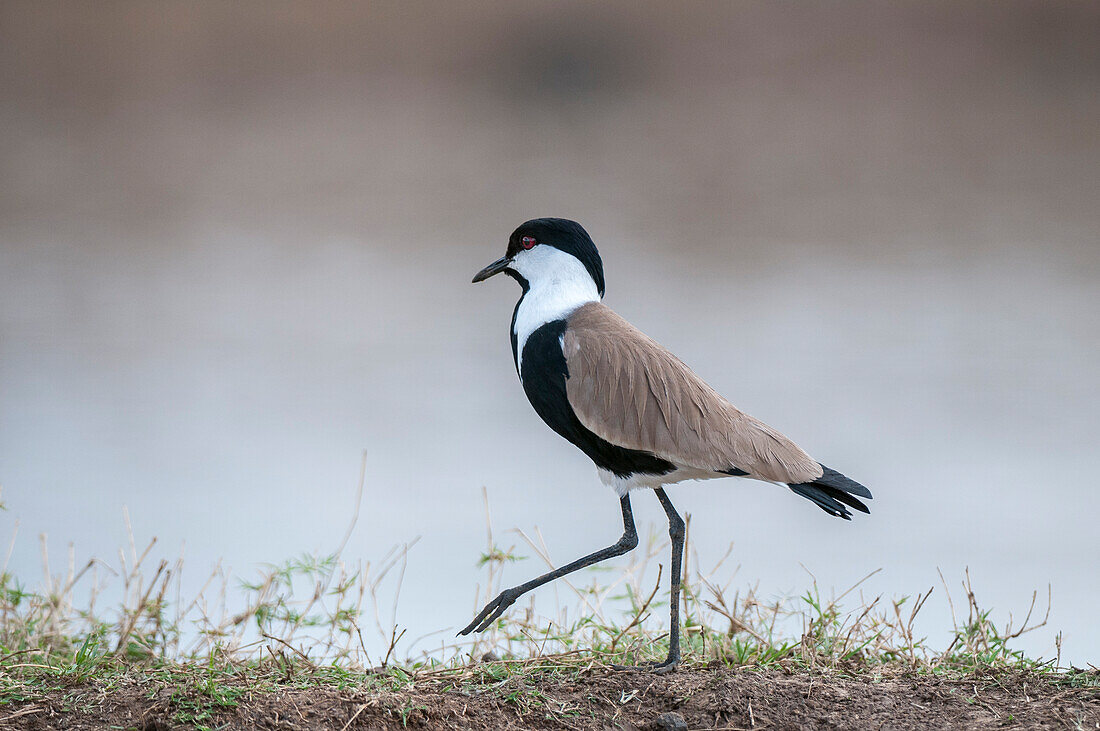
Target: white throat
point(559, 284)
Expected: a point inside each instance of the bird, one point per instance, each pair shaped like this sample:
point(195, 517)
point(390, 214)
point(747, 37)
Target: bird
point(636, 410)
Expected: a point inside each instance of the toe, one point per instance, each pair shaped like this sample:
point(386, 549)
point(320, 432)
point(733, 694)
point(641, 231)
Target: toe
point(666, 667)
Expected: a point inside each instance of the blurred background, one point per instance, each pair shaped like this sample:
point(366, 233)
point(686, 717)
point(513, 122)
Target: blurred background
point(236, 241)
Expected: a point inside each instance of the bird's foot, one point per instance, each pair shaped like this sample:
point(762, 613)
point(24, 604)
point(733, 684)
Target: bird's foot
point(658, 668)
point(491, 612)
point(666, 667)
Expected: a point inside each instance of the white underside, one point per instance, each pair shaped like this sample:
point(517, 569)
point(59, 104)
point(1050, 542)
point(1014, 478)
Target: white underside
point(623, 485)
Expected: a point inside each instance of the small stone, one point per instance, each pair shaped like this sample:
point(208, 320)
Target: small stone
point(669, 722)
point(490, 657)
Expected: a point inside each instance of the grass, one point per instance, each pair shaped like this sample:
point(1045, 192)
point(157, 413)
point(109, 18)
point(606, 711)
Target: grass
point(301, 624)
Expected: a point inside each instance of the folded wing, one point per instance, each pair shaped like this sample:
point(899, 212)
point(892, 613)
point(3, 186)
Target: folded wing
point(629, 390)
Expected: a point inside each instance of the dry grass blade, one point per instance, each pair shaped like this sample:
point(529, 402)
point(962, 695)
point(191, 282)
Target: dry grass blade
point(639, 614)
point(308, 612)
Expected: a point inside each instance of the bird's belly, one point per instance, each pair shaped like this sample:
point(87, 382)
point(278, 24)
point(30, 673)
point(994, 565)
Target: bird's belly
point(638, 480)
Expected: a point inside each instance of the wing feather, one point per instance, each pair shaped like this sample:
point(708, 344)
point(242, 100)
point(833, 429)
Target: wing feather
point(629, 390)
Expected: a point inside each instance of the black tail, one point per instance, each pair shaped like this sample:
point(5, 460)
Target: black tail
point(832, 489)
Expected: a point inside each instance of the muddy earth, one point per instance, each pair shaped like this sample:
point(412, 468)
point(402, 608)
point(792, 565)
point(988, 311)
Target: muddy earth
point(717, 698)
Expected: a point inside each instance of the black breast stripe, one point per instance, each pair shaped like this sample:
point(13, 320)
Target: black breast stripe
point(525, 286)
point(544, 372)
point(512, 334)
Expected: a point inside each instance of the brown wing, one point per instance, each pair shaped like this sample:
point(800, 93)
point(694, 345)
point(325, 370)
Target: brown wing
point(629, 390)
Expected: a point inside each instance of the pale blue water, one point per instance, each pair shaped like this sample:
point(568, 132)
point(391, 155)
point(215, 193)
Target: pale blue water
point(228, 416)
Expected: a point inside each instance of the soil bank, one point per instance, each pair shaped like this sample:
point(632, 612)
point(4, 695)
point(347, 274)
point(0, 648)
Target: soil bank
point(699, 698)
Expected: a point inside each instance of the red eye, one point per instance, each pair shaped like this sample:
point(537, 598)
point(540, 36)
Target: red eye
point(528, 242)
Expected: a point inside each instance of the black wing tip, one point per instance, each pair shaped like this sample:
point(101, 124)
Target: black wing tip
point(834, 493)
point(832, 478)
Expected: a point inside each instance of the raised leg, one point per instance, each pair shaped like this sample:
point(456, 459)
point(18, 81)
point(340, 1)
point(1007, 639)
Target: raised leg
point(676, 531)
point(506, 598)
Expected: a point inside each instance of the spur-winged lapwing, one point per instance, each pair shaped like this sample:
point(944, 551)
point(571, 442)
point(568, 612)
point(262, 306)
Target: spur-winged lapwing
point(633, 407)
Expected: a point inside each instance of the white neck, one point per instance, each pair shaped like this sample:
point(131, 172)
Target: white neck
point(559, 284)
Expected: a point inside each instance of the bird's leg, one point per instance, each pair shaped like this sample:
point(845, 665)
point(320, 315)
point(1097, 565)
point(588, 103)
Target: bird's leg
point(676, 531)
point(506, 598)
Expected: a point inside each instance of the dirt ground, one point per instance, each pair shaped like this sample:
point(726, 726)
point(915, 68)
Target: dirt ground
point(600, 699)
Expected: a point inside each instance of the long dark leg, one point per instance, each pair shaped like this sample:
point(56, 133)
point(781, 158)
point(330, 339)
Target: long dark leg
point(676, 532)
point(506, 598)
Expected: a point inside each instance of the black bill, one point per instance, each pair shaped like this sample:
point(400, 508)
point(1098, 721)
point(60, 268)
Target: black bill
point(496, 267)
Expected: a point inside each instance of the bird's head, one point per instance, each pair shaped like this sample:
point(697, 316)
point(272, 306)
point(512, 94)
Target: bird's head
point(545, 251)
